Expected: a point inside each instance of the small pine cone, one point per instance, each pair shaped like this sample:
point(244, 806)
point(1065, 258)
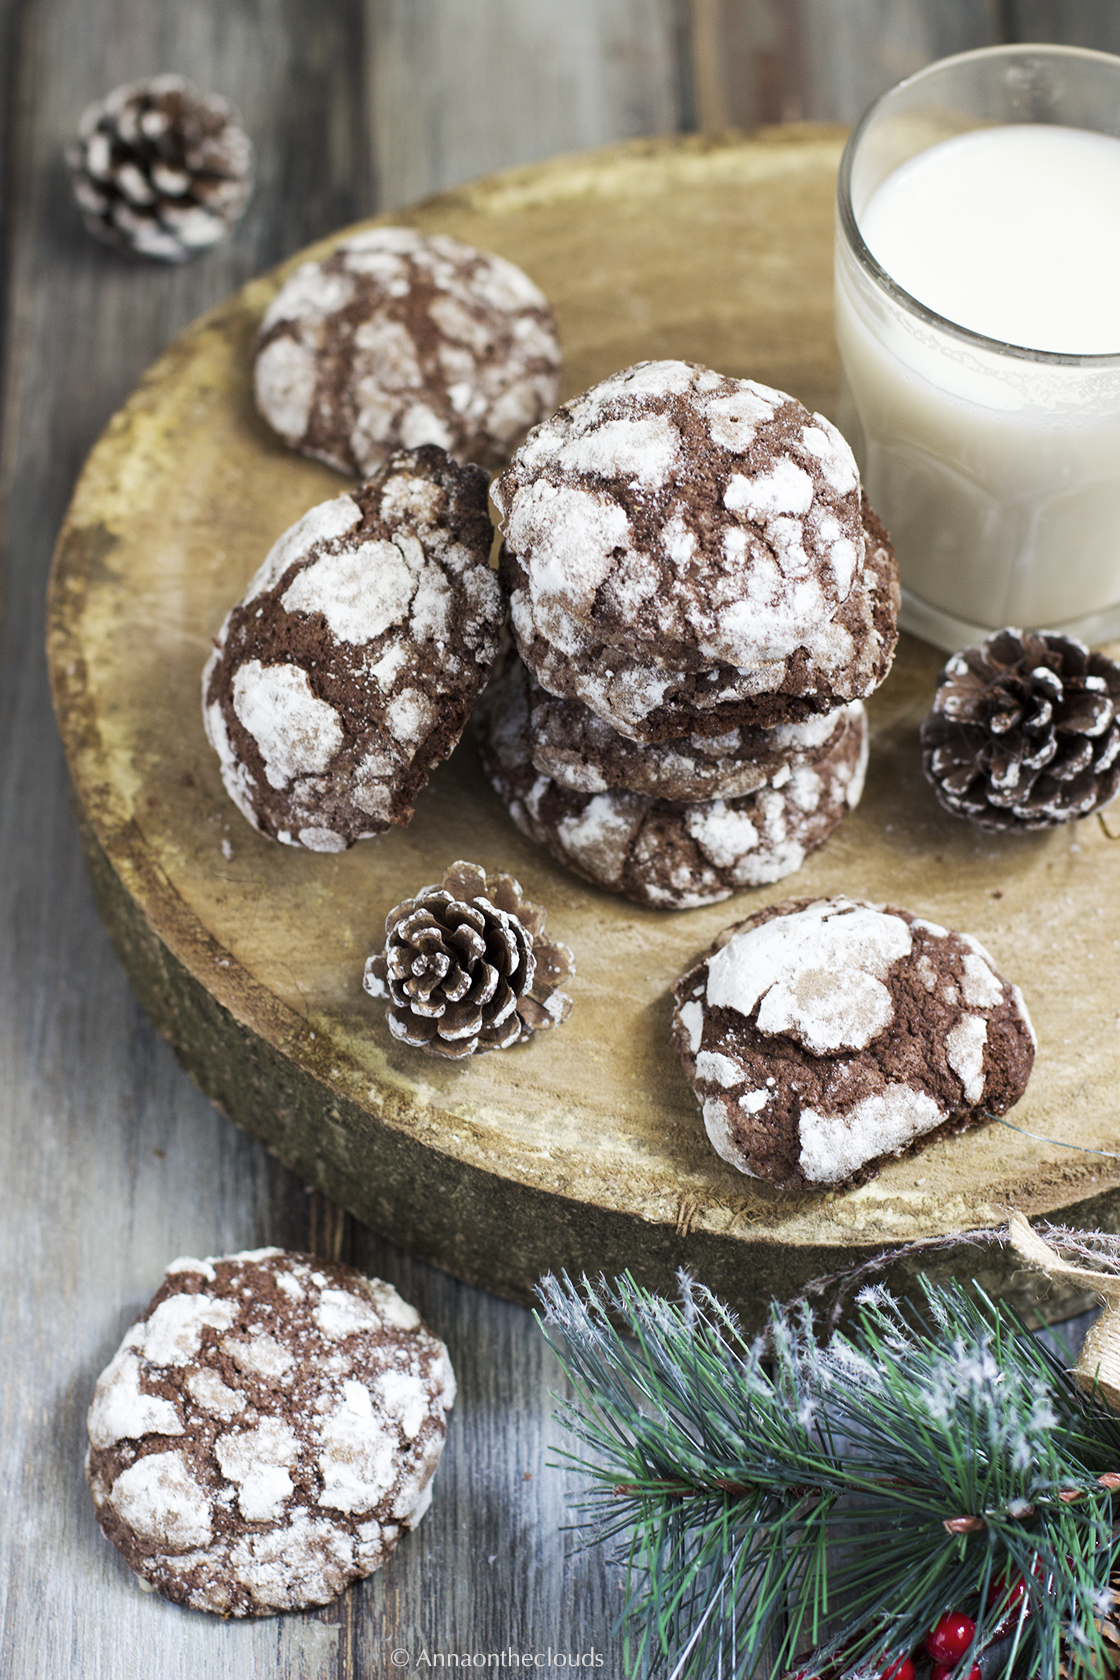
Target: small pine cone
point(1024, 732)
point(466, 967)
point(160, 168)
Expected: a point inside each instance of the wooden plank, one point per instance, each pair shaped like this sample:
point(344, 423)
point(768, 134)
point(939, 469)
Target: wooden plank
point(458, 89)
point(1075, 23)
point(853, 50)
point(11, 13)
point(761, 61)
point(747, 63)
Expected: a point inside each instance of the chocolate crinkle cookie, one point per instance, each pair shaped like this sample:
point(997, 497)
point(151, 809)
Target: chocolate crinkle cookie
point(842, 660)
point(822, 1037)
point(573, 745)
point(701, 598)
point(351, 665)
point(668, 854)
point(683, 543)
point(400, 340)
point(267, 1431)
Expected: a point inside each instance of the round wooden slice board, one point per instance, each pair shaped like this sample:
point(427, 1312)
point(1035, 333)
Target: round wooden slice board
point(582, 1149)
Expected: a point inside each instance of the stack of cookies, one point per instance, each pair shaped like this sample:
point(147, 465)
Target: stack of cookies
point(701, 600)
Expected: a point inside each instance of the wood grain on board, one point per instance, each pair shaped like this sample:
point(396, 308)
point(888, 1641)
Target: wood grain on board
point(111, 1161)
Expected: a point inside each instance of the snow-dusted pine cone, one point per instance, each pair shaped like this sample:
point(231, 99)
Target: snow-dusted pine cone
point(466, 966)
point(160, 168)
point(1024, 731)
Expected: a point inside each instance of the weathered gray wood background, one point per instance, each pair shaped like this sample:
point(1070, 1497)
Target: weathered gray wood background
point(110, 1161)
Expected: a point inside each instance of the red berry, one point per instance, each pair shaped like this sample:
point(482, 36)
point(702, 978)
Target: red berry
point(1000, 1590)
point(1012, 1598)
point(950, 1639)
point(903, 1669)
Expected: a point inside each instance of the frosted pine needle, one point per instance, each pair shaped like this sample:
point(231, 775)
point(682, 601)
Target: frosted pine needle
point(774, 1499)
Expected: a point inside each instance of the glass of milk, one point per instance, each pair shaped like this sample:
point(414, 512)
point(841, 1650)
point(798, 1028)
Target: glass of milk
point(978, 318)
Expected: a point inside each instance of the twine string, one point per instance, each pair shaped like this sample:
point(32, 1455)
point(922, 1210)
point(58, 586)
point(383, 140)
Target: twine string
point(1111, 1154)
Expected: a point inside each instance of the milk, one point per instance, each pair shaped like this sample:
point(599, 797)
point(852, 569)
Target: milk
point(996, 470)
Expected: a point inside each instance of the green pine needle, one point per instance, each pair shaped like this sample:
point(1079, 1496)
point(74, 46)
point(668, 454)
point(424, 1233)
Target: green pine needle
point(785, 1498)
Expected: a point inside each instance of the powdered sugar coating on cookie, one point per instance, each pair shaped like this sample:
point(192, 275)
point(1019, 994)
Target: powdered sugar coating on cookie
point(397, 340)
point(664, 853)
point(823, 1036)
point(578, 749)
point(266, 1432)
point(350, 667)
point(842, 659)
point(698, 519)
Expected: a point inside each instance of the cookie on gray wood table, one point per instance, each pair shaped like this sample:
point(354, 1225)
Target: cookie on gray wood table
point(823, 1036)
point(397, 340)
point(351, 665)
point(666, 853)
point(841, 659)
point(267, 1431)
point(578, 749)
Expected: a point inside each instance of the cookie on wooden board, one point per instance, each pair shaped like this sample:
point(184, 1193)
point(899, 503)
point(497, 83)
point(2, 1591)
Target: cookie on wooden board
point(349, 668)
point(666, 853)
point(397, 340)
point(842, 659)
point(702, 519)
point(823, 1036)
point(573, 745)
point(266, 1432)
point(679, 542)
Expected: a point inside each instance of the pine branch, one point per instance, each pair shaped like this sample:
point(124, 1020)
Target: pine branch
point(781, 1496)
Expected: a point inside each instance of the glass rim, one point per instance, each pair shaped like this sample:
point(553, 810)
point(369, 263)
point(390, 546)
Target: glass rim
point(885, 281)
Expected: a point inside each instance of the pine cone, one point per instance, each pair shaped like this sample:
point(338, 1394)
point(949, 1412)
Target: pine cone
point(160, 168)
point(1024, 732)
point(465, 966)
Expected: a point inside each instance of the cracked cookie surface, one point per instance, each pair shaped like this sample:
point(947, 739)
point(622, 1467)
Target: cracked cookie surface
point(823, 1036)
point(666, 853)
point(690, 553)
point(266, 1432)
point(349, 668)
point(397, 340)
